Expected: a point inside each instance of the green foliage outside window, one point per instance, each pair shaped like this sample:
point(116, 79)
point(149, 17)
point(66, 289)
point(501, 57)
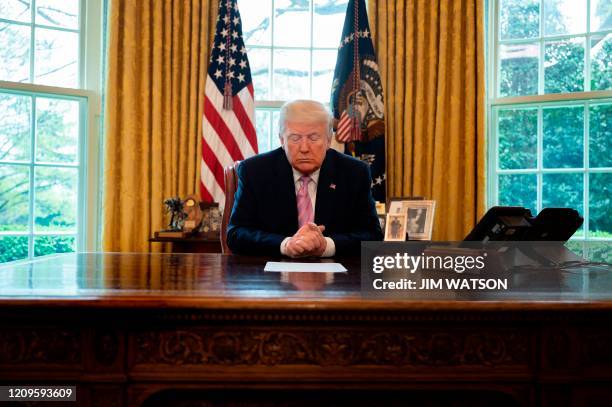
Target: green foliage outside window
point(13, 248)
point(562, 126)
point(54, 188)
point(16, 247)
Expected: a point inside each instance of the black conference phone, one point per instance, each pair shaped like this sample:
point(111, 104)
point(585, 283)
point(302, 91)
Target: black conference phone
point(514, 223)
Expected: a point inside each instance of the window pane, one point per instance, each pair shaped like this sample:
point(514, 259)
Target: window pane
point(564, 17)
point(563, 137)
point(518, 190)
point(44, 245)
point(599, 251)
point(601, 15)
point(15, 127)
point(14, 197)
point(57, 130)
point(17, 10)
point(290, 79)
point(55, 199)
point(564, 66)
point(262, 120)
point(601, 61)
point(600, 136)
point(519, 18)
point(58, 13)
point(13, 248)
point(518, 138)
point(256, 22)
point(259, 60)
point(292, 23)
point(275, 140)
point(563, 191)
point(14, 53)
point(328, 22)
point(323, 65)
point(519, 69)
point(56, 59)
point(600, 205)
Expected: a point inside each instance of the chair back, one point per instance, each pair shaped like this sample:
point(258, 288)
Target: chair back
point(231, 182)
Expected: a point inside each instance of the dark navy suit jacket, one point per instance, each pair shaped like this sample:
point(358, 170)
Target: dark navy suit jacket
point(265, 208)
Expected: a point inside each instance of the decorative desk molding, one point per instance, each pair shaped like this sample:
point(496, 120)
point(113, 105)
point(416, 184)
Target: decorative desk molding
point(37, 346)
point(337, 347)
point(373, 316)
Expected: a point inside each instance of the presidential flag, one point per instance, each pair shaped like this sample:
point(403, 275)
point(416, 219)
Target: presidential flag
point(228, 131)
point(357, 97)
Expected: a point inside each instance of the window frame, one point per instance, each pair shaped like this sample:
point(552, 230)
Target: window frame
point(272, 105)
point(92, 19)
point(539, 101)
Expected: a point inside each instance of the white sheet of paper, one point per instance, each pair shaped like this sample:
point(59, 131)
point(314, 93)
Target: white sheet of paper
point(276, 266)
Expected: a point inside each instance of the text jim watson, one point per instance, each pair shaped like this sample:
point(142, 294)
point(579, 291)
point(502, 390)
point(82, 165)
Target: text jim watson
point(442, 283)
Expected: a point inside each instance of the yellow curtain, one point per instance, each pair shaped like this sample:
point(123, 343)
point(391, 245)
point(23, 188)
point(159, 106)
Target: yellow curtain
point(431, 55)
point(158, 57)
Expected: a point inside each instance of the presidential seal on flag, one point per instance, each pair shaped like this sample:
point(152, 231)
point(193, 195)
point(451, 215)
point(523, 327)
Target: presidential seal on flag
point(362, 106)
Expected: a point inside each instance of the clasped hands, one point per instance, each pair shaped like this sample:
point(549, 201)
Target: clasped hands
point(307, 241)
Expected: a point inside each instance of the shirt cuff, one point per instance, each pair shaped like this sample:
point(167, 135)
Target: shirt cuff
point(330, 249)
point(283, 246)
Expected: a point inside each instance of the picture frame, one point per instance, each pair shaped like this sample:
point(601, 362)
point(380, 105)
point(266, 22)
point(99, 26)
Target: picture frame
point(395, 227)
point(383, 220)
point(399, 204)
point(211, 219)
point(420, 217)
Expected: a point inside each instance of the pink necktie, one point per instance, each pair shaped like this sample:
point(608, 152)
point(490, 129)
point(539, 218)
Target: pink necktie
point(304, 205)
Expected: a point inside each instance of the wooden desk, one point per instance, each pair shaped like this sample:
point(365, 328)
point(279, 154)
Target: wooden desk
point(193, 244)
point(165, 329)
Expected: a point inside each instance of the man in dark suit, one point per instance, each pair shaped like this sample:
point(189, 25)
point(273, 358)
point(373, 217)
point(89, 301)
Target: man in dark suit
point(303, 199)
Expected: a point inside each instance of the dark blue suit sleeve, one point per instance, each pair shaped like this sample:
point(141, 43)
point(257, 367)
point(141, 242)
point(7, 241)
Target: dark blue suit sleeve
point(245, 233)
point(365, 225)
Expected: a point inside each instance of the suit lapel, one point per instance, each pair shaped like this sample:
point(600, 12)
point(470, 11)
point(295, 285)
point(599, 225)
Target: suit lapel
point(285, 192)
point(326, 189)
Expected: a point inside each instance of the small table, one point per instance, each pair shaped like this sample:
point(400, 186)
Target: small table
point(192, 244)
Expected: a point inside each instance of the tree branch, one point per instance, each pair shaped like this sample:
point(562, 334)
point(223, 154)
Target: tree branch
point(41, 11)
point(56, 69)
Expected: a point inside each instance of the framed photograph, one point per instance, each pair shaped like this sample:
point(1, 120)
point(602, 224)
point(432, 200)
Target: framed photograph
point(382, 219)
point(211, 219)
point(395, 227)
point(397, 205)
point(215, 220)
point(420, 216)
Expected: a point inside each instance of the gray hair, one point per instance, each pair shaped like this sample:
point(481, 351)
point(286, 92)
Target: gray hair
point(304, 111)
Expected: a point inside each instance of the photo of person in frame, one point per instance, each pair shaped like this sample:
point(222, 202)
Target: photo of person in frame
point(420, 219)
point(416, 220)
point(395, 229)
point(383, 220)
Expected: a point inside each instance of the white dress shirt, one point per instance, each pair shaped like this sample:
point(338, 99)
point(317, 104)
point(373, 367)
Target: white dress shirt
point(330, 249)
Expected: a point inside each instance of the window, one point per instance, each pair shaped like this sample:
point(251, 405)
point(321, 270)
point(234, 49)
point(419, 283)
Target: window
point(48, 117)
point(292, 48)
point(550, 108)
point(40, 42)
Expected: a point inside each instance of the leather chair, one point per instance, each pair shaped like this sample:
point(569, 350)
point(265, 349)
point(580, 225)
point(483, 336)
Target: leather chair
point(231, 183)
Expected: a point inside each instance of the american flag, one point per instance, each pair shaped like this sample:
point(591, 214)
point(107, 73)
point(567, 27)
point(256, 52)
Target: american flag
point(228, 131)
point(349, 127)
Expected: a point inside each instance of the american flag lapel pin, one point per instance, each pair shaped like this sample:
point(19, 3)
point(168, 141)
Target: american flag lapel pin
point(332, 186)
